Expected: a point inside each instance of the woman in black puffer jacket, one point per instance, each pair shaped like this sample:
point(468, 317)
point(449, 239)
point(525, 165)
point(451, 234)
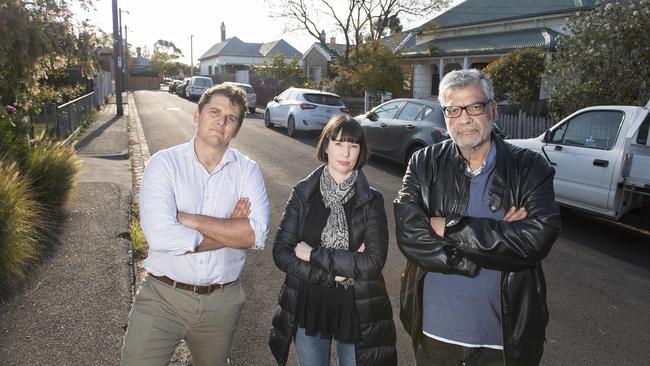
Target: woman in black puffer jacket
point(332, 244)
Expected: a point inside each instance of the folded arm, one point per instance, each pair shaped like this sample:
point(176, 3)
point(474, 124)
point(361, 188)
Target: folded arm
point(416, 238)
point(285, 242)
point(362, 264)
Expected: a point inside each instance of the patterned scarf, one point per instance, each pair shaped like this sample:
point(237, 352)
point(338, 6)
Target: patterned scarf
point(335, 233)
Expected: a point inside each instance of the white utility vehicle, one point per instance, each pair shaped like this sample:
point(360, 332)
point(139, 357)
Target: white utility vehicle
point(601, 157)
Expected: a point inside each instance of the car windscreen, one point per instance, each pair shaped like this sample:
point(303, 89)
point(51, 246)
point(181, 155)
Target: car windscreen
point(247, 89)
point(324, 99)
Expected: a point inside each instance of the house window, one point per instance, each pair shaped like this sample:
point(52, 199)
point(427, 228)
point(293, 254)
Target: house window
point(210, 70)
point(314, 73)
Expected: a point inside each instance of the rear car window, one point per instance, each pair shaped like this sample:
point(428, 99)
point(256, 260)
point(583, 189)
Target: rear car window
point(247, 89)
point(323, 99)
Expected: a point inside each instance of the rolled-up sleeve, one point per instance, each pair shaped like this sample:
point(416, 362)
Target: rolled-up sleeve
point(158, 212)
point(255, 190)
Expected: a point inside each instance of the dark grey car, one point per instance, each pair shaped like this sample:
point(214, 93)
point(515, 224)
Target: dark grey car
point(397, 128)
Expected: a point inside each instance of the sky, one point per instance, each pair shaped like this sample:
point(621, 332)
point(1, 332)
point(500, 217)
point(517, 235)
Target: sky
point(172, 20)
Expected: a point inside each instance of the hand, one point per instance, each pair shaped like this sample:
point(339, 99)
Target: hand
point(303, 251)
point(242, 209)
point(360, 250)
point(515, 214)
point(186, 219)
point(438, 225)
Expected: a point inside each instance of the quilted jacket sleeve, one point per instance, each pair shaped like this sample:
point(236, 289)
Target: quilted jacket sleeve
point(369, 263)
point(286, 240)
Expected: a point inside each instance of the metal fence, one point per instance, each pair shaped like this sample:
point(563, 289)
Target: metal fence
point(61, 121)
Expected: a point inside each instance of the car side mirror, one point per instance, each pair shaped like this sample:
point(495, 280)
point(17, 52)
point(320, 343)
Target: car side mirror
point(548, 136)
point(373, 116)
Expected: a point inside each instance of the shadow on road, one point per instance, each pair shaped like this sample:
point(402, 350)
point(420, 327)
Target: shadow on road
point(610, 238)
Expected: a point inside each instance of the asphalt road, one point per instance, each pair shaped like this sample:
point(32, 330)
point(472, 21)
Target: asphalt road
point(597, 274)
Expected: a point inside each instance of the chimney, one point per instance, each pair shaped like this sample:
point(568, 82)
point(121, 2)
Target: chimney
point(223, 32)
point(332, 41)
point(322, 36)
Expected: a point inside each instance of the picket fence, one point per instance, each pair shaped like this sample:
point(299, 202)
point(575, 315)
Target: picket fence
point(523, 126)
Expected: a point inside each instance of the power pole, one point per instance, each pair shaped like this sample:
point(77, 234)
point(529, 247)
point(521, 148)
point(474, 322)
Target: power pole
point(117, 61)
point(191, 56)
point(126, 57)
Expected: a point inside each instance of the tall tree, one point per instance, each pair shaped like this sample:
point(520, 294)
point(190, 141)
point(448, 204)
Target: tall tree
point(40, 36)
point(517, 75)
point(605, 61)
point(164, 59)
point(355, 20)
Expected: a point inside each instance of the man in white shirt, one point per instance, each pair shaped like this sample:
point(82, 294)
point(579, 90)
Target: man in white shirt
point(202, 204)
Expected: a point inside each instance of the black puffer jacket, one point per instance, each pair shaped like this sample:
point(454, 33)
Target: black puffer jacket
point(367, 225)
point(435, 185)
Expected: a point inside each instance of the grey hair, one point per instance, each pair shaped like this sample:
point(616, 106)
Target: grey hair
point(462, 78)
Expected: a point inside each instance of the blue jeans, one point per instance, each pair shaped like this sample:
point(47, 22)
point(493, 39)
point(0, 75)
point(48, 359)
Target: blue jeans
point(315, 351)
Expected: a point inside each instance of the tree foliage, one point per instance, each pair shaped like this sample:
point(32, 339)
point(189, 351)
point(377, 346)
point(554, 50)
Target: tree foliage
point(278, 72)
point(517, 75)
point(373, 68)
point(355, 20)
point(40, 36)
point(605, 61)
point(164, 59)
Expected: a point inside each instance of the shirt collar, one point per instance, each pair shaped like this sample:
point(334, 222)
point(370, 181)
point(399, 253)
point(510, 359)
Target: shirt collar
point(228, 156)
point(489, 162)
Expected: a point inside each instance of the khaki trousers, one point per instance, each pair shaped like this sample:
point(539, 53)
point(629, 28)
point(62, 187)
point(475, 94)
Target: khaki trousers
point(162, 316)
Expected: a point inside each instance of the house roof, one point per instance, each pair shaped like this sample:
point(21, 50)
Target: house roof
point(236, 47)
point(328, 50)
point(400, 41)
point(487, 43)
point(472, 12)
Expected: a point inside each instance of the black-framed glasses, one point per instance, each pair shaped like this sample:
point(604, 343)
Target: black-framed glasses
point(474, 109)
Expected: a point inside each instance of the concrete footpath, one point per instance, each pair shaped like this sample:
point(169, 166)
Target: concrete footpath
point(73, 308)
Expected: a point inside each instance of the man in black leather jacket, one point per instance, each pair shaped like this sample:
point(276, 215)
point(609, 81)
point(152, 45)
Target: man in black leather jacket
point(475, 217)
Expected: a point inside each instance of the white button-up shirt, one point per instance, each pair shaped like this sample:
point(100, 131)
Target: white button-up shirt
point(174, 180)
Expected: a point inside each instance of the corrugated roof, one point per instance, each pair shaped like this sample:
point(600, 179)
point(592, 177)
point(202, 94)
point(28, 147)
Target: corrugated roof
point(486, 43)
point(236, 47)
point(472, 12)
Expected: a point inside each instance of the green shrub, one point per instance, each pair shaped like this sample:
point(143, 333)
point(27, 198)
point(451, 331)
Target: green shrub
point(21, 221)
point(138, 241)
point(52, 169)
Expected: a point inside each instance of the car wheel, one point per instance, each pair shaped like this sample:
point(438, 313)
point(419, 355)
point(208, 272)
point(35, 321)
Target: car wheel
point(410, 153)
point(267, 120)
point(291, 126)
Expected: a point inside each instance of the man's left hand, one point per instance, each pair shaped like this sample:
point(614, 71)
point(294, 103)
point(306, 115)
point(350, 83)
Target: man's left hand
point(303, 251)
point(438, 225)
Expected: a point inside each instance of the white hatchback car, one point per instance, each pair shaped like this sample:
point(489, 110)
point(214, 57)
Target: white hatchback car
point(251, 97)
point(196, 87)
point(303, 109)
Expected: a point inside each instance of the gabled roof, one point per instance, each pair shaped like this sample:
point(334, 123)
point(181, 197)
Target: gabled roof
point(328, 50)
point(472, 12)
point(400, 41)
point(486, 43)
point(236, 47)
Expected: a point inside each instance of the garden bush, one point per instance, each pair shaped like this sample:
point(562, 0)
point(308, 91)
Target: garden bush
point(21, 224)
point(52, 169)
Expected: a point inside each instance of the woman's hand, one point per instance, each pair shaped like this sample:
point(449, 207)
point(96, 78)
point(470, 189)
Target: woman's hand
point(360, 250)
point(303, 251)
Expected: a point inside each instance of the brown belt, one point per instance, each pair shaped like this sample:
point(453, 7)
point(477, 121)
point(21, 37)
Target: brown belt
point(197, 289)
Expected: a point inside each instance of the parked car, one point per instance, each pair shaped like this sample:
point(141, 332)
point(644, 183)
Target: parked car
point(398, 128)
point(180, 89)
point(303, 109)
point(174, 85)
point(196, 86)
point(251, 96)
point(601, 156)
